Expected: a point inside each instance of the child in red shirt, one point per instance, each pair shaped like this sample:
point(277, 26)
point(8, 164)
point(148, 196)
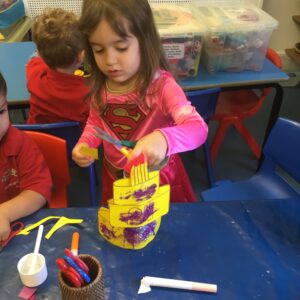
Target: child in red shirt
point(25, 180)
point(56, 93)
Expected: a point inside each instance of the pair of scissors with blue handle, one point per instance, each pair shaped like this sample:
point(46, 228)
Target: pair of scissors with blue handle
point(123, 144)
point(15, 227)
point(119, 143)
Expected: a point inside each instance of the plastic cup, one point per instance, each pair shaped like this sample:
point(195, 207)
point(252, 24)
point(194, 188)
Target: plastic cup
point(32, 277)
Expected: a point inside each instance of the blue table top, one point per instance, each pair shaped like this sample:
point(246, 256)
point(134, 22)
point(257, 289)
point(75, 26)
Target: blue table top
point(269, 73)
point(15, 55)
point(249, 249)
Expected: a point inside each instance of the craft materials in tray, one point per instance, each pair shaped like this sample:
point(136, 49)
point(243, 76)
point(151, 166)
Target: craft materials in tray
point(237, 37)
point(182, 37)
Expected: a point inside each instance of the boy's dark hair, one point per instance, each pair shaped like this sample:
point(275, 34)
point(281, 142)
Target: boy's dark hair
point(140, 19)
point(57, 37)
point(3, 86)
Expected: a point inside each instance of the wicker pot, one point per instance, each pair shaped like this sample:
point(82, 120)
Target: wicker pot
point(93, 290)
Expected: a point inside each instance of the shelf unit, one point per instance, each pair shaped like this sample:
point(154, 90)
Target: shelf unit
point(291, 52)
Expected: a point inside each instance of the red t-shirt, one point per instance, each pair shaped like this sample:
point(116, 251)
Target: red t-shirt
point(55, 96)
point(22, 166)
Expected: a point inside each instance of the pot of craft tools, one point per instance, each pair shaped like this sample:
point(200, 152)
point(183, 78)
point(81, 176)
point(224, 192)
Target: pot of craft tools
point(94, 290)
point(32, 267)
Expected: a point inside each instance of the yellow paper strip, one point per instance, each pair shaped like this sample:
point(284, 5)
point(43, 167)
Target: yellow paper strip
point(124, 189)
point(27, 230)
point(60, 223)
point(140, 213)
point(92, 152)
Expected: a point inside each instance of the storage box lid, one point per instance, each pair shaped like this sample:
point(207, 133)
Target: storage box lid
point(235, 18)
point(174, 20)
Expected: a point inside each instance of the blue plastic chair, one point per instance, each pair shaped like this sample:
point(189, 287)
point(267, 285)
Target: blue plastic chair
point(70, 131)
point(279, 174)
point(205, 102)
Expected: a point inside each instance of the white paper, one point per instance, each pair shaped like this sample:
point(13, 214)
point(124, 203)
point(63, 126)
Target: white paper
point(144, 287)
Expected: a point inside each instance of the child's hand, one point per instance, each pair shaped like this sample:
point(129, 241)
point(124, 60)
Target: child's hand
point(4, 227)
point(81, 159)
point(154, 147)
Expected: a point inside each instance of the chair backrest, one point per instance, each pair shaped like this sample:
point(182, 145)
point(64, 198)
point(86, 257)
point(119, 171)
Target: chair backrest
point(54, 150)
point(204, 101)
point(282, 148)
point(273, 56)
point(69, 131)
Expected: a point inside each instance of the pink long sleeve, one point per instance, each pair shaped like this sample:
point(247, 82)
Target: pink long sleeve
point(190, 130)
point(170, 112)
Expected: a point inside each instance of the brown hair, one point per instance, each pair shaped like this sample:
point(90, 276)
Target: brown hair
point(141, 24)
point(3, 86)
point(57, 36)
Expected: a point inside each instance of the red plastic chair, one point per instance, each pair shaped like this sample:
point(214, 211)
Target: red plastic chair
point(69, 131)
point(234, 107)
point(54, 150)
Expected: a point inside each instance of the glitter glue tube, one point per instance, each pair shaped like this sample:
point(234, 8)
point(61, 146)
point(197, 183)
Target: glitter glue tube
point(75, 243)
point(148, 281)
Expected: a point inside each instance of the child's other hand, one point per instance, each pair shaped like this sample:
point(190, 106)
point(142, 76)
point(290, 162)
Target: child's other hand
point(4, 227)
point(81, 159)
point(154, 147)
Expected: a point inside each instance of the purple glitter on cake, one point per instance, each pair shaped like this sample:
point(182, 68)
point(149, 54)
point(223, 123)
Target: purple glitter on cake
point(136, 216)
point(145, 194)
point(138, 235)
point(106, 232)
point(141, 194)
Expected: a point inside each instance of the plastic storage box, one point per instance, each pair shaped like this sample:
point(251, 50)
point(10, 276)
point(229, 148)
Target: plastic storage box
point(182, 37)
point(237, 37)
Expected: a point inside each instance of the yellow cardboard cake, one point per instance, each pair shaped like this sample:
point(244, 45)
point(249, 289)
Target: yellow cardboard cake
point(133, 216)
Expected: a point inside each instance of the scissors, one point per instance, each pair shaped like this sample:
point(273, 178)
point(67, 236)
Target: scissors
point(70, 273)
point(74, 269)
point(121, 144)
point(15, 227)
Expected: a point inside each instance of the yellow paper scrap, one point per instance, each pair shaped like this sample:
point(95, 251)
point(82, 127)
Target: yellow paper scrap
point(79, 72)
point(60, 223)
point(92, 152)
point(27, 230)
point(2, 37)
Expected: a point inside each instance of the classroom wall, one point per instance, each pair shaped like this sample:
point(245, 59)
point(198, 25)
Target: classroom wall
point(288, 32)
point(258, 3)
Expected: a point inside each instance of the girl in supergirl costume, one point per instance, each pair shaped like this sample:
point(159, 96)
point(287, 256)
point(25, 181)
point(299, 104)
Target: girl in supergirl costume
point(135, 97)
